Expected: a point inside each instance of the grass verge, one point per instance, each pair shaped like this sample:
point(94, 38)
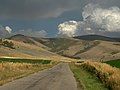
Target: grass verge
point(110, 76)
point(86, 80)
point(13, 70)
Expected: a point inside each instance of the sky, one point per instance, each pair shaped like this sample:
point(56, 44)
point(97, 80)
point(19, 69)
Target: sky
point(52, 18)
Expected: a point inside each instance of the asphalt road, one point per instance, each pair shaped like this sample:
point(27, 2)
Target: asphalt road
point(59, 77)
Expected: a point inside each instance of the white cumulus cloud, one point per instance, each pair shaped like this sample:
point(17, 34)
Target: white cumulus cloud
point(5, 31)
point(68, 28)
point(106, 19)
point(96, 20)
point(7, 28)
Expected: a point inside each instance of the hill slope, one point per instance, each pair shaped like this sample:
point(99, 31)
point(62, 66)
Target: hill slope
point(103, 51)
point(85, 47)
point(27, 39)
point(25, 50)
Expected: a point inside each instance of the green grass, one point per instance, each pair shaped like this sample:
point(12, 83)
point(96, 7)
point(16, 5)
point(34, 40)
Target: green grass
point(86, 80)
point(25, 61)
point(114, 63)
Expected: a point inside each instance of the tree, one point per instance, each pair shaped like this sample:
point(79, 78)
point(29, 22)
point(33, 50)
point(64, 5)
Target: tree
point(0, 41)
point(8, 44)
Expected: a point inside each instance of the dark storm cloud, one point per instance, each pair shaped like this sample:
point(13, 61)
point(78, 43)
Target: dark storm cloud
point(35, 8)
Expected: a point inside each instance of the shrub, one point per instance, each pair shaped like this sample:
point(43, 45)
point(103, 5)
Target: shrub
point(8, 44)
point(0, 41)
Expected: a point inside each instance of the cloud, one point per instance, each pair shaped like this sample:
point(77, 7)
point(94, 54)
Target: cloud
point(68, 28)
point(107, 3)
point(32, 33)
point(35, 9)
point(96, 20)
point(5, 31)
point(102, 19)
point(7, 28)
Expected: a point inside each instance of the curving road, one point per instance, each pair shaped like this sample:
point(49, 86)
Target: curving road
point(59, 77)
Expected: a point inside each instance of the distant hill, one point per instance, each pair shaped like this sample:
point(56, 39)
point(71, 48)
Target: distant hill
point(22, 38)
point(28, 40)
point(82, 47)
point(97, 37)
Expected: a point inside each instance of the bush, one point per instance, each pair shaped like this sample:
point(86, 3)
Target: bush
point(8, 44)
point(0, 41)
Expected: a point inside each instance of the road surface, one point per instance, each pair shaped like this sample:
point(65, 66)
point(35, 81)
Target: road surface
point(59, 77)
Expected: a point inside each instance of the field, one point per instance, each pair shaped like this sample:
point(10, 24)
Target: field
point(11, 69)
point(85, 79)
point(114, 63)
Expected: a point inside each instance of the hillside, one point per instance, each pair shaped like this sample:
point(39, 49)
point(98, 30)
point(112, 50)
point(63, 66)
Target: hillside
point(68, 47)
point(27, 39)
point(103, 51)
point(88, 47)
point(25, 50)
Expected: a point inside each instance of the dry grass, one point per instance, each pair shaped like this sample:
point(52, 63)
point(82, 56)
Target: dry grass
point(10, 71)
point(104, 51)
point(28, 51)
point(109, 75)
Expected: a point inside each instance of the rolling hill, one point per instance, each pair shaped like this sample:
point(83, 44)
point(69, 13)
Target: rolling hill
point(64, 46)
point(92, 47)
point(103, 51)
point(29, 51)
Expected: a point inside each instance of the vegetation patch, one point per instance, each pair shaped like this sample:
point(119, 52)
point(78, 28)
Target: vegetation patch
point(114, 52)
point(85, 79)
point(7, 43)
point(114, 63)
point(110, 76)
point(32, 61)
